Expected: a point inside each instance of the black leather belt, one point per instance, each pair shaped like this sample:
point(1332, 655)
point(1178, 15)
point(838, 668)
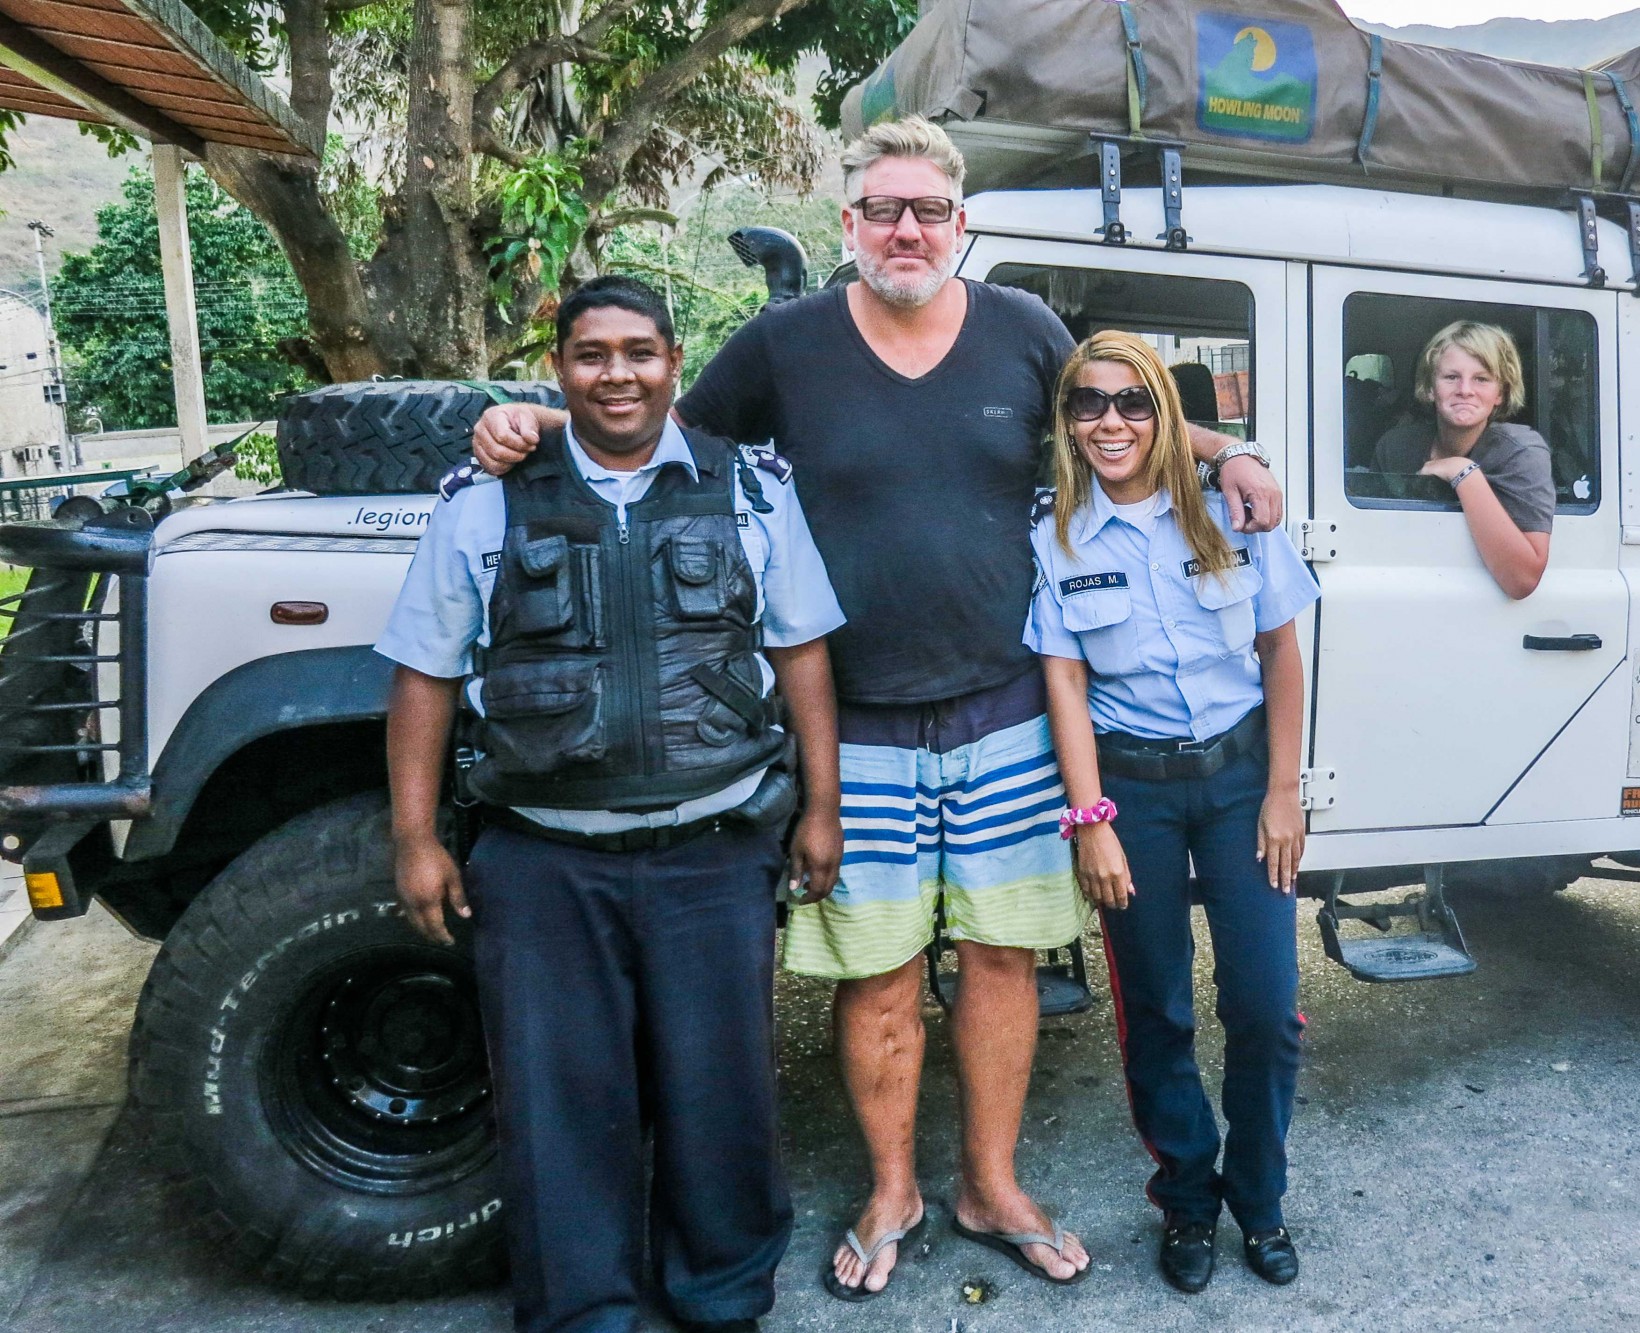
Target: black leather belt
point(628, 840)
point(1157, 761)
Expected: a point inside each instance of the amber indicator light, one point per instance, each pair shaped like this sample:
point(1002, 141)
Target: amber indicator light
point(299, 613)
point(43, 890)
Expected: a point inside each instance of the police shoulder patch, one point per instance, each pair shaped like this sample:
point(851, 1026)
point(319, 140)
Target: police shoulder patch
point(763, 457)
point(1041, 504)
point(456, 479)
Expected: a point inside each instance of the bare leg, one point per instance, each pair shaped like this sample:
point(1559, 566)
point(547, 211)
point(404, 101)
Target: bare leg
point(995, 1031)
point(878, 1030)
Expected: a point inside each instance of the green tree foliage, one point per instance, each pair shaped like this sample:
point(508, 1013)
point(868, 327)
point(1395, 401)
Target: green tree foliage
point(711, 293)
point(109, 306)
point(510, 141)
point(256, 458)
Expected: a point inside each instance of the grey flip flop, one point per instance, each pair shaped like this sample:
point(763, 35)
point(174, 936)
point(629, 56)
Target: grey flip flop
point(854, 1295)
point(1012, 1244)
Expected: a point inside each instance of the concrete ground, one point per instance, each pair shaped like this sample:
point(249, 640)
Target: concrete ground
point(1464, 1157)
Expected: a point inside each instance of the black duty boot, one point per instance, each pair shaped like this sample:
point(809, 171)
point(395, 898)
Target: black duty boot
point(1271, 1255)
point(1187, 1253)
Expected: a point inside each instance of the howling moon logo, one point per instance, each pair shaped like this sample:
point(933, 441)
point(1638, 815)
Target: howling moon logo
point(1264, 48)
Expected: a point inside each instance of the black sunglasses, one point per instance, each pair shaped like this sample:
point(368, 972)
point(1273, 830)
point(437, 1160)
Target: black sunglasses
point(1132, 404)
point(891, 208)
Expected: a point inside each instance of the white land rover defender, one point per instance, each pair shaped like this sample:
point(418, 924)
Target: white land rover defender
point(191, 716)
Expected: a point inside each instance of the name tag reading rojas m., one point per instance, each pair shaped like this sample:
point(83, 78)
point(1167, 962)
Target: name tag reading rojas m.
point(1239, 557)
point(1092, 583)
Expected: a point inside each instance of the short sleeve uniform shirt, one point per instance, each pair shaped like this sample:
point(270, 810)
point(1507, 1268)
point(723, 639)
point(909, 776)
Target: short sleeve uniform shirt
point(1169, 648)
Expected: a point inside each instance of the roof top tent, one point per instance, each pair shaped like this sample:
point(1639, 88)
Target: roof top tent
point(152, 68)
point(1059, 92)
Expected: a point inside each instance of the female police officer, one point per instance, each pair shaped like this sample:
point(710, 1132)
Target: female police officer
point(1175, 690)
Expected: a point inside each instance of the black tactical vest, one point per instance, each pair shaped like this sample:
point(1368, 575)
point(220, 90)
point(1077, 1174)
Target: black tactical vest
point(622, 670)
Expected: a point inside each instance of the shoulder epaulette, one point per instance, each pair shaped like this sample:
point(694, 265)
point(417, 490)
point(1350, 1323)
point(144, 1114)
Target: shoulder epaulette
point(764, 457)
point(1041, 504)
point(456, 479)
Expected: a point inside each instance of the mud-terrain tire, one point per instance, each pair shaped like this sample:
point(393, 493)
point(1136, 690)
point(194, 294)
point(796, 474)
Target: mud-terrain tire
point(313, 1073)
point(386, 437)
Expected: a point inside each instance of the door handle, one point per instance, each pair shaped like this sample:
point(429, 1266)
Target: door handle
point(1571, 643)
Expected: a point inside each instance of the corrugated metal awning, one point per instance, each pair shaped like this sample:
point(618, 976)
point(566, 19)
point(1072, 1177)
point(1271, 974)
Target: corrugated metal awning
point(150, 67)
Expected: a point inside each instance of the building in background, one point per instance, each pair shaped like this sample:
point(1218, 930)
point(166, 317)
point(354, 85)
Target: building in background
point(33, 431)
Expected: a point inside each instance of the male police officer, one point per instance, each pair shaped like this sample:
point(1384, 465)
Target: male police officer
point(916, 404)
point(620, 587)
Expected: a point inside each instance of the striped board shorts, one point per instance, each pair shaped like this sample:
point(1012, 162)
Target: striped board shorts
point(957, 801)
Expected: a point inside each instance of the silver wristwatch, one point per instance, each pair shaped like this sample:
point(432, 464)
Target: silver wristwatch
point(1209, 472)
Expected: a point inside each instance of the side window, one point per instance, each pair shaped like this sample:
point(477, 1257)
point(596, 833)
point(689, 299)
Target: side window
point(1389, 428)
point(1203, 328)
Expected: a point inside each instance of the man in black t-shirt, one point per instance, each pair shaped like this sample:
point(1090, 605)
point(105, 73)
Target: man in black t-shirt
point(913, 405)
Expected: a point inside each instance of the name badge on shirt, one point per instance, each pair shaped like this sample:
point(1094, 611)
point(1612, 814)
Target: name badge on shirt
point(492, 560)
point(1239, 557)
point(1092, 583)
point(743, 519)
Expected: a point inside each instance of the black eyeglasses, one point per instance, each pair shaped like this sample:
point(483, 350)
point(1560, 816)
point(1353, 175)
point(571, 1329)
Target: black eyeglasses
point(1132, 404)
point(891, 208)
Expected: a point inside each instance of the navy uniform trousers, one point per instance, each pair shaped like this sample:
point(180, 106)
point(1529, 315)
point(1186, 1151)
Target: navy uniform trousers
point(623, 992)
point(1162, 826)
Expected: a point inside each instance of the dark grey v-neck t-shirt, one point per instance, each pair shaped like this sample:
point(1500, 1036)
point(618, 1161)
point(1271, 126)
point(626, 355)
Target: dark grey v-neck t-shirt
point(918, 491)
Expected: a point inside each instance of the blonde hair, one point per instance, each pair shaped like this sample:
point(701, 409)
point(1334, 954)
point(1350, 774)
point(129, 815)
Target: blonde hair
point(1170, 464)
point(911, 137)
point(1492, 346)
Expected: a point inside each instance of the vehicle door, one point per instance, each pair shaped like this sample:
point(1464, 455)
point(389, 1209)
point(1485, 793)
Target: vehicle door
point(1438, 700)
point(1217, 321)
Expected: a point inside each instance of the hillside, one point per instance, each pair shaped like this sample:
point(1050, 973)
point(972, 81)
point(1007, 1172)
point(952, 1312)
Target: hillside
point(1577, 43)
point(62, 178)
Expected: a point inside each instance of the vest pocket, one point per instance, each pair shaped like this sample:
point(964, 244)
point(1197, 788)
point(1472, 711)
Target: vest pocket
point(557, 590)
point(734, 706)
point(546, 597)
point(700, 582)
point(543, 714)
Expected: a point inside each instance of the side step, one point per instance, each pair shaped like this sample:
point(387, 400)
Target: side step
point(1061, 987)
point(1434, 949)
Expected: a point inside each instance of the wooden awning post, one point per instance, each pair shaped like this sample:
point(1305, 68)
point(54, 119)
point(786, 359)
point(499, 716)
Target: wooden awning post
point(181, 311)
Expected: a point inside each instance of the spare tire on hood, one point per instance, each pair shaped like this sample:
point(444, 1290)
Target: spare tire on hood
point(388, 437)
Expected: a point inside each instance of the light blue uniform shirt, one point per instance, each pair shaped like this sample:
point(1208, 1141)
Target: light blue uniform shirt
point(1169, 650)
point(443, 609)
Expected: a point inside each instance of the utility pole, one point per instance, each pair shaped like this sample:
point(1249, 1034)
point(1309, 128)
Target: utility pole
point(55, 393)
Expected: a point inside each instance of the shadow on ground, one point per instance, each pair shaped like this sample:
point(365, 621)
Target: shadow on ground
point(1464, 1157)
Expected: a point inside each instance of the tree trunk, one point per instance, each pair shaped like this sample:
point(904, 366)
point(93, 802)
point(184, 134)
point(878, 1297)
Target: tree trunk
point(430, 270)
point(284, 193)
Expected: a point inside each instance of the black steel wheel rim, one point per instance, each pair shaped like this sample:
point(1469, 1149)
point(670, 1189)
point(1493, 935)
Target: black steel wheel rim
point(376, 1076)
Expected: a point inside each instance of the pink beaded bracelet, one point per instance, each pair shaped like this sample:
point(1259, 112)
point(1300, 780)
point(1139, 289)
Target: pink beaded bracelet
point(1100, 812)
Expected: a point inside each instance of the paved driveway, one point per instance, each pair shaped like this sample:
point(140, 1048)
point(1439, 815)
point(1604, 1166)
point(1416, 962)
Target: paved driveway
point(1464, 1157)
